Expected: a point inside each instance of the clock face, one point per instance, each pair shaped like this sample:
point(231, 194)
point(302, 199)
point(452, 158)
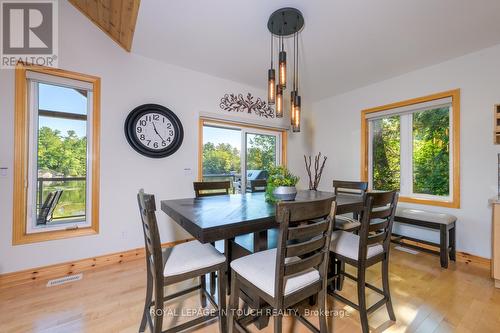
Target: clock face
point(153, 130)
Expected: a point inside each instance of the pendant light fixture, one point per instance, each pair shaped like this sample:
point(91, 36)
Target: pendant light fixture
point(296, 101)
point(279, 101)
point(283, 23)
point(282, 65)
point(271, 80)
point(294, 87)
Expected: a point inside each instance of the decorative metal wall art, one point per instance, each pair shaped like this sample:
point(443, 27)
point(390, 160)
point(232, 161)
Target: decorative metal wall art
point(238, 103)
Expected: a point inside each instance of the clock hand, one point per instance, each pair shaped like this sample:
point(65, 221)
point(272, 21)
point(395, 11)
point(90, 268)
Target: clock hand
point(154, 127)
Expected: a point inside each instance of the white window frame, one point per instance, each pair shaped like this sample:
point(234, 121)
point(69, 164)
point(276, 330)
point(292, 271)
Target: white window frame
point(34, 79)
point(406, 149)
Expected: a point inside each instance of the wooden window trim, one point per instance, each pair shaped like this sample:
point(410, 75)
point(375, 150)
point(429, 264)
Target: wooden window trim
point(455, 95)
point(203, 121)
point(21, 138)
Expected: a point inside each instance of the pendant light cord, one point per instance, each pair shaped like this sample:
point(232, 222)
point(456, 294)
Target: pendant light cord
point(297, 52)
point(272, 37)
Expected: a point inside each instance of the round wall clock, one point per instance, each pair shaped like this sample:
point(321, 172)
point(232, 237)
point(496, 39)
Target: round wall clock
point(153, 130)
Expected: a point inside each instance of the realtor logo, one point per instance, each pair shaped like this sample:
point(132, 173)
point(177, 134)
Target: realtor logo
point(29, 33)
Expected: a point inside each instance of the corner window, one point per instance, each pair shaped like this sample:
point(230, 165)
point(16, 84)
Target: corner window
point(57, 169)
point(413, 147)
point(238, 153)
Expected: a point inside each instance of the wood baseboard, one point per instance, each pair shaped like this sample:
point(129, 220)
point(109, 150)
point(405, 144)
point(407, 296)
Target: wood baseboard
point(83, 265)
point(461, 256)
point(45, 273)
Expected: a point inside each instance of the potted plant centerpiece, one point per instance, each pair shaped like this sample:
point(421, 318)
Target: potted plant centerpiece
point(281, 185)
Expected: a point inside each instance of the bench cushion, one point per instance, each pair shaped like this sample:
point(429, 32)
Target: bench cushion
point(422, 215)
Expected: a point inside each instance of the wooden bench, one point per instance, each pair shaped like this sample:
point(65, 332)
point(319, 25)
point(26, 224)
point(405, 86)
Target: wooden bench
point(444, 223)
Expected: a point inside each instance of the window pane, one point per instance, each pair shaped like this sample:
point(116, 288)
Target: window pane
point(61, 159)
point(221, 154)
point(431, 152)
point(386, 159)
point(260, 156)
point(57, 98)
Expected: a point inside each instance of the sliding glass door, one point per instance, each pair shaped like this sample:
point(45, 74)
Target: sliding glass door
point(239, 154)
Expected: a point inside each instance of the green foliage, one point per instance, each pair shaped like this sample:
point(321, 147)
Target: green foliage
point(279, 176)
point(66, 155)
point(220, 159)
point(261, 152)
point(431, 154)
point(386, 154)
point(62, 154)
point(224, 158)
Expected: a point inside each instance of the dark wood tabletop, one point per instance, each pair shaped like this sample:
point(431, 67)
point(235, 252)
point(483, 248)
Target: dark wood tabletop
point(214, 218)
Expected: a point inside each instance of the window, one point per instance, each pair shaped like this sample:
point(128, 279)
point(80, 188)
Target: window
point(413, 147)
point(229, 150)
point(56, 177)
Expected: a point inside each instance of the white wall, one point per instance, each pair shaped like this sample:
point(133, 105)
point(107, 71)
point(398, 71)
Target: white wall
point(337, 133)
point(128, 80)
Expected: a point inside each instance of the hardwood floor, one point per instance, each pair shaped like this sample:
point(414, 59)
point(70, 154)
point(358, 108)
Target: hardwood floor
point(426, 299)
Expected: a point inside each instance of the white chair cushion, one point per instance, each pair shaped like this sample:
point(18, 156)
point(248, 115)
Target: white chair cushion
point(191, 256)
point(347, 244)
point(422, 215)
point(343, 222)
point(260, 269)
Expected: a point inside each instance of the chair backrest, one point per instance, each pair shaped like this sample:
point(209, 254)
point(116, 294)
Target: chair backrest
point(305, 232)
point(52, 207)
point(258, 185)
point(377, 219)
point(349, 187)
point(47, 209)
point(205, 189)
point(154, 258)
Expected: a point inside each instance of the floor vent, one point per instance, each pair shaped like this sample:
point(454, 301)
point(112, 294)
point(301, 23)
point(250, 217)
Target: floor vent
point(405, 249)
point(65, 279)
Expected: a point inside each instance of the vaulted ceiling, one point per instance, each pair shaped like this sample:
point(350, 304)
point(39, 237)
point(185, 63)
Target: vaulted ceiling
point(344, 44)
point(116, 18)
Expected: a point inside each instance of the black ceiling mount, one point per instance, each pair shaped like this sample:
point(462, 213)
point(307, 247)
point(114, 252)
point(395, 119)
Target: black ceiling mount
point(285, 21)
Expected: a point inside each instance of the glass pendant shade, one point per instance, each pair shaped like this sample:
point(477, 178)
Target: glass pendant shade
point(292, 105)
point(282, 69)
point(271, 87)
point(296, 115)
point(279, 101)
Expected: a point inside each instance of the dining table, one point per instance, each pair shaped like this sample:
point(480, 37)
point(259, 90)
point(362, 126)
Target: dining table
point(245, 222)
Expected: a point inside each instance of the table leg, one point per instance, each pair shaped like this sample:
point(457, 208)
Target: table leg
point(259, 241)
point(228, 251)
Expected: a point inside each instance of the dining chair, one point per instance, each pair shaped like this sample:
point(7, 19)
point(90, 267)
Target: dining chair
point(172, 265)
point(369, 247)
point(293, 272)
point(258, 185)
point(46, 210)
point(207, 189)
point(354, 188)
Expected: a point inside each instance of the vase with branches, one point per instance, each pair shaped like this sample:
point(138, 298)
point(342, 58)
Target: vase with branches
point(318, 170)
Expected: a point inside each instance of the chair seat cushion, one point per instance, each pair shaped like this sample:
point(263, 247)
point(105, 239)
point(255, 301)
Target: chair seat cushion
point(346, 244)
point(343, 222)
point(189, 257)
point(260, 270)
point(422, 215)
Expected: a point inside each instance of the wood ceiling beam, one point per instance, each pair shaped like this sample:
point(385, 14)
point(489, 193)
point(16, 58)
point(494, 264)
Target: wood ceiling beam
point(117, 18)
